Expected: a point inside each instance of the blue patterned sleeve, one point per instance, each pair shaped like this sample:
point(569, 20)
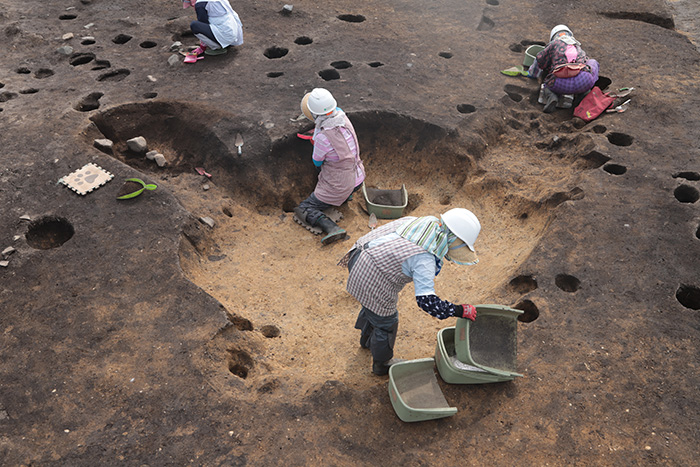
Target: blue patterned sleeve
point(441, 309)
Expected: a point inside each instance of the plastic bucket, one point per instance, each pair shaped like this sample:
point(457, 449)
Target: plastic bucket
point(530, 54)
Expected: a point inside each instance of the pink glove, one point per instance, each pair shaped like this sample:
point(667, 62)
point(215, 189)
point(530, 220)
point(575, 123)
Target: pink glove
point(469, 312)
point(188, 3)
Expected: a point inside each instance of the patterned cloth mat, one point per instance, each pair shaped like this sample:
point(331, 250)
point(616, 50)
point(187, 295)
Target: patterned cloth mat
point(86, 179)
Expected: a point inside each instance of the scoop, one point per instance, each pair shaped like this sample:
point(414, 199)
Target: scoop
point(133, 194)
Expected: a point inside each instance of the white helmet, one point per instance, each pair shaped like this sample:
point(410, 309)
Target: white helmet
point(557, 29)
point(320, 102)
point(464, 224)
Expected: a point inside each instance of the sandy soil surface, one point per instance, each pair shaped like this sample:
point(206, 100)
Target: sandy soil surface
point(132, 333)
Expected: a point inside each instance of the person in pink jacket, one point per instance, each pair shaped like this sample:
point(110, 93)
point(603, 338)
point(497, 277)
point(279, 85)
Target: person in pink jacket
point(337, 154)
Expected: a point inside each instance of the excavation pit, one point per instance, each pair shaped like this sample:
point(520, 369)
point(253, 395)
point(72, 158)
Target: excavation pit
point(243, 258)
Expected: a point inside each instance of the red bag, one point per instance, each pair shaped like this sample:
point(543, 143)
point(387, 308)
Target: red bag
point(593, 104)
point(568, 70)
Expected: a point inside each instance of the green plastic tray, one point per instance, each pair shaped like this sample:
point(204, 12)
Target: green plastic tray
point(415, 393)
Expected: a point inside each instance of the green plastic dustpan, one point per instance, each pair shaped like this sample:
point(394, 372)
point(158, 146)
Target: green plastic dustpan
point(414, 391)
point(490, 342)
point(144, 186)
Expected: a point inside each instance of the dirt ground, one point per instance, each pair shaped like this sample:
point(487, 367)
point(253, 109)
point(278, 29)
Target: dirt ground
point(133, 333)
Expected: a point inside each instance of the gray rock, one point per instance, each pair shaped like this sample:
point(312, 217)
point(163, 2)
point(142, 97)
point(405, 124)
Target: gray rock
point(151, 155)
point(25, 217)
point(173, 60)
point(137, 145)
point(4, 264)
point(207, 221)
point(205, 187)
point(67, 36)
point(104, 145)
point(8, 251)
point(65, 50)
point(287, 9)
point(175, 46)
point(160, 160)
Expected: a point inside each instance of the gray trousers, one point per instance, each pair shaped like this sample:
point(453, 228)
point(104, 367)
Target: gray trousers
point(378, 333)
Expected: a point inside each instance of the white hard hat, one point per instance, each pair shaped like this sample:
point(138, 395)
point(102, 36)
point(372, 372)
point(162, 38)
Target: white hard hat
point(557, 29)
point(320, 102)
point(464, 224)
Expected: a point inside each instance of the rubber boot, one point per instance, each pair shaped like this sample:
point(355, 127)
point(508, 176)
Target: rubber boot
point(301, 214)
point(382, 368)
point(334, 233)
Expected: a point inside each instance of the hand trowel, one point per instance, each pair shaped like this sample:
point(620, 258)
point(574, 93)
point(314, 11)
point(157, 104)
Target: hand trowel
point(239, 142)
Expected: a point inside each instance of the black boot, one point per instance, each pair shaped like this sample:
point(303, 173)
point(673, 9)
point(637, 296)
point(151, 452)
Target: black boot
point(334, 233)
point(382, 368)
point(301, 213)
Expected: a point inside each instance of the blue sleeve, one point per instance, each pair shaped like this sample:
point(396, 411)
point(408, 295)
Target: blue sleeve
point(441, 309)
point(317, 163)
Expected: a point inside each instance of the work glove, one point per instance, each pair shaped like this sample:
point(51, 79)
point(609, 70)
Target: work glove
point(469, 312)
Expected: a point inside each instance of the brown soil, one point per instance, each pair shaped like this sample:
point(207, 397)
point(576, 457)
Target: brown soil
point(132, 333)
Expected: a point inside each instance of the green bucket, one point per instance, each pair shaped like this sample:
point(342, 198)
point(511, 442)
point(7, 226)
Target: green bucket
point(530, 54)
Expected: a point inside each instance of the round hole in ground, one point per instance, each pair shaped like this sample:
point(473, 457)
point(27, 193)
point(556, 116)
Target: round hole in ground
point(275, 52)
point(23, 70)
point(352, 18)
point(689, 296)
point(275, 74)
point(341, 64)
point(603, 82)
point(150, 95)
point(29, 91)
point(615, 169)
point(87, 41)
point(81, 58)
point(690, 176)
point(686, 194)
point(303, 40)
point(375, 64)
point(493, 2)
point(466, 108)
point(42, 73)
point(329, 74)
point(523, 284)
point(116, 75)
point(530, 311)
point(147, 44)
point(121, 38)
point(567, 283)
point(697, 232)
point(445, 54)
point(620, 139)
point(239, 362)
point(67, 16)
point(49, 232)
point(599, 129)
point(270, 331)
